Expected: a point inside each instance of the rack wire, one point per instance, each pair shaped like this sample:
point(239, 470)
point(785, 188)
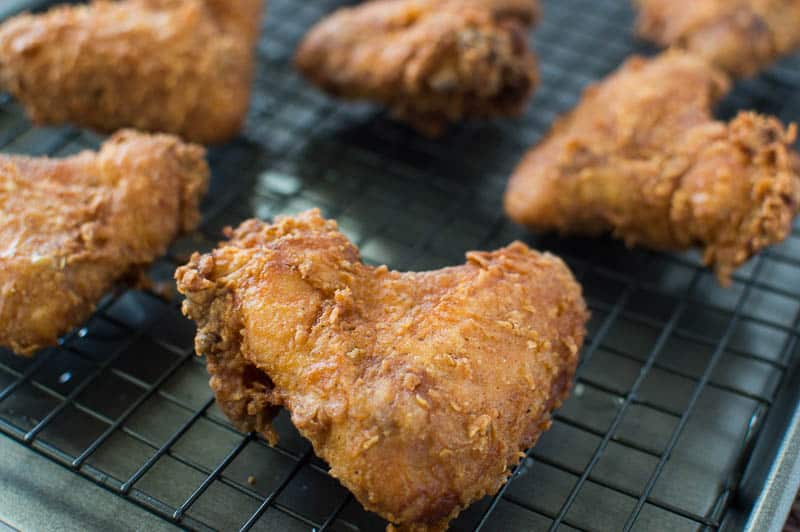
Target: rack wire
point(677, 376)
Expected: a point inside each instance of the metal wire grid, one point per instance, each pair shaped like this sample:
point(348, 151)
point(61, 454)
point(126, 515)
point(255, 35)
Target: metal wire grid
point(676, 378)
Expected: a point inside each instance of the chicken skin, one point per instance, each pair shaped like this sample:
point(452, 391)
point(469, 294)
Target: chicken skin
point(176, 66)
point(739, 36)
point(71, 228)
point(432, 62)
point(421, 390)
point(642, 156)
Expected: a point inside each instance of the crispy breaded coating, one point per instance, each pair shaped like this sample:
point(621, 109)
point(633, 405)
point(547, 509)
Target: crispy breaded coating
point(527, 12)
point(739, 36)
point(642, 156)
point(177, 66)
point(70, 228)
point(420, 390)
point(432, 62)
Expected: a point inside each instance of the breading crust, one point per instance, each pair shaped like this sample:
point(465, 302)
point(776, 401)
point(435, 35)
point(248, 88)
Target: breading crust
point(432, 62)
point(741, 37)
point(175, 66)
point(421, 390)
point(71, 228)
point(641, 156)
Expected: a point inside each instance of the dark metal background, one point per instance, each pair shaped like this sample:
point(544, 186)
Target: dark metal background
point(677, 379)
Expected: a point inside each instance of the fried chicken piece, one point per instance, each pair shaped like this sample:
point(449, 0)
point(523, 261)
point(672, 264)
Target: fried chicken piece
point(528, 12)
point(71, 228)
point(739, 36)
point(642, 156)
point(430, 61)
point(177, 66)
point(419, 389)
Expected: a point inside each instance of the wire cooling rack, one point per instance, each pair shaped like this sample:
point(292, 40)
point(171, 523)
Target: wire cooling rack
point(684, 387)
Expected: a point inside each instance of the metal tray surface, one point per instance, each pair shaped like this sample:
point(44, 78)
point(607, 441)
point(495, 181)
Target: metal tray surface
point(684, 393)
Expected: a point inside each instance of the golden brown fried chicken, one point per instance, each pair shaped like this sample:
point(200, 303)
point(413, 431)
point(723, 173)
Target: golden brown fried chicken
point(177, 66)
point(430, 61)
point(642, 156)
point(419, 389)
point(739, 36)
point(71, 228)
point(526, 11)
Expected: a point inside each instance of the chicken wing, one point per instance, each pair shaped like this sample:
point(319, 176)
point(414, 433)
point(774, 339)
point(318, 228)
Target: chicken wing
point(528, 12)
point(642, 156)
point(421, 390)
point(177, 66)
point(739, 36)
point(430, 61)
point(70, 228)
